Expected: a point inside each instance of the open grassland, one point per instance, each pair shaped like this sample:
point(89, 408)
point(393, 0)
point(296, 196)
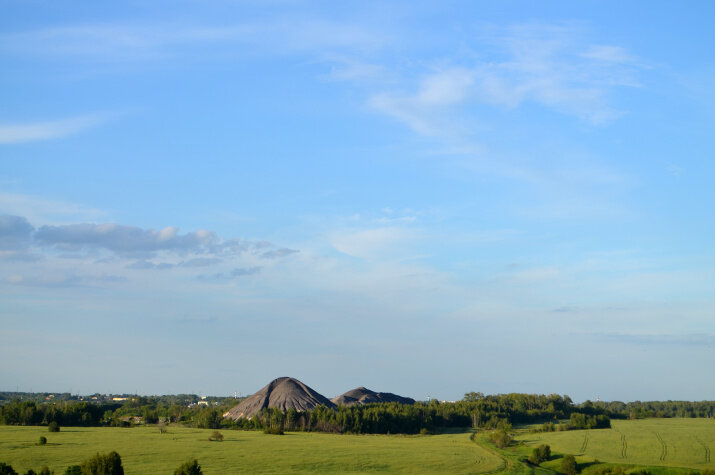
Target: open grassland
point(145, 450)
point(647, 442)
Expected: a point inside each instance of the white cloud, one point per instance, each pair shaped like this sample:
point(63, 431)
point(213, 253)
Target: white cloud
point(116, 42)
point(44, 210)
point(609, 54)
point(371, 243)
point(424, 110)
point(47, 130)
point(541, 64)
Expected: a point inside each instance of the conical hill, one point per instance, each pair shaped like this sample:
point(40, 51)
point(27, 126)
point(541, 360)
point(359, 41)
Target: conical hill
point(282, 393)
point(363, 395)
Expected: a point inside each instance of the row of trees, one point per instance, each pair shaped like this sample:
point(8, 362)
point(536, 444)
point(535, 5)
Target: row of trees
point(102, 464)
point(475, 410)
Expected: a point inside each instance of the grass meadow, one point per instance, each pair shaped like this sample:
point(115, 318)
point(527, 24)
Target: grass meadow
point(685, 443)
point(145, 450)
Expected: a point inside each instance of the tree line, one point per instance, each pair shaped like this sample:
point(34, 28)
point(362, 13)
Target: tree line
point(474, 410)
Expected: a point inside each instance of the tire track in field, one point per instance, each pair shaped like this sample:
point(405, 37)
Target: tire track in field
point(585, 442)
point(624, 444)
point(706, 448)
point(663, 447)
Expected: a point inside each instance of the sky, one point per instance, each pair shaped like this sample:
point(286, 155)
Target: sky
point(424, 198)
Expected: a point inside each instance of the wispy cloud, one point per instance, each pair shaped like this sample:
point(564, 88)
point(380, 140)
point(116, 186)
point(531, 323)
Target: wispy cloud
point(424, 111)
point(233, 274)
point(542, 64)
point(276, 253)
point(63, 280)
point(116, 42)
point(48, 130)
point(46, 210)
point(371, 243)
point(699, 339)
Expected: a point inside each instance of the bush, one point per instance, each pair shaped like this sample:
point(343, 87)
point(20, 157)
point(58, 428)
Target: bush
point(540, 454)
point(53, 427)
point(43, 440)
point(568, 465)
point(45, 471)
point(216, 436)
point(108, 464)
point(500, 438)
point(6, 469)
point(73, 470)
point(273, 431)
point(191, 467)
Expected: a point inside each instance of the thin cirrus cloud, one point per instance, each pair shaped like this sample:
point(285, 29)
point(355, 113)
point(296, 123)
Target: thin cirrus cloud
point(110, 42)
point(234, 274)
point(542, 64)
point(48, 130)
point(63, 280)
point(691, 339)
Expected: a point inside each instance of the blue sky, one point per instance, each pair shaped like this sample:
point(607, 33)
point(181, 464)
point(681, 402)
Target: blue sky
point(426, 198)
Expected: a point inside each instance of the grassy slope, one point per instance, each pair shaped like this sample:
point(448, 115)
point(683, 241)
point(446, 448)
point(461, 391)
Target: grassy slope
point(649, 442)
point(145, 450)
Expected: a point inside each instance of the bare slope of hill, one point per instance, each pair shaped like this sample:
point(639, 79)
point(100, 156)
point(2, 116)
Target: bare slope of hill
point(282, 393)
point(365, 396)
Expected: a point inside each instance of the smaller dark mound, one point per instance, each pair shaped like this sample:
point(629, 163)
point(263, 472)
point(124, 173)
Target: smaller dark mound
point(282, 393)
point(365, 396)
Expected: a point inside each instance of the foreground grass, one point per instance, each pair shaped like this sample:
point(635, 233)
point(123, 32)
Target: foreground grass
point(652, 443)
point(145, 450)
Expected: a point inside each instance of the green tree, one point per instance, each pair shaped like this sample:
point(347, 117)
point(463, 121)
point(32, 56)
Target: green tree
point(568, 465)
point(107, 464)
point(540, 454)
point(191, 467)
point(43, 440)
point(53, 427)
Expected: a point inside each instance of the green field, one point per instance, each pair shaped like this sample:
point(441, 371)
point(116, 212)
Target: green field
point(145, 450)
point(648, 442)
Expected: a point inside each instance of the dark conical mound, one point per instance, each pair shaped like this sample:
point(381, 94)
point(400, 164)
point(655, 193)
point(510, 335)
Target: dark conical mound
point(282, 393)
point(365, 396)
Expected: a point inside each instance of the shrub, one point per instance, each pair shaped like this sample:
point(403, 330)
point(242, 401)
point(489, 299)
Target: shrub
point(43, 440)
point(273, 431)
point(500, 438)
point(53, 427)
point(73, 470)
point(540, 454)
point(216, 436)
point(45, 471)
point(108, 464)
point(191, 467)
point(568, 465)
point(6, 469)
